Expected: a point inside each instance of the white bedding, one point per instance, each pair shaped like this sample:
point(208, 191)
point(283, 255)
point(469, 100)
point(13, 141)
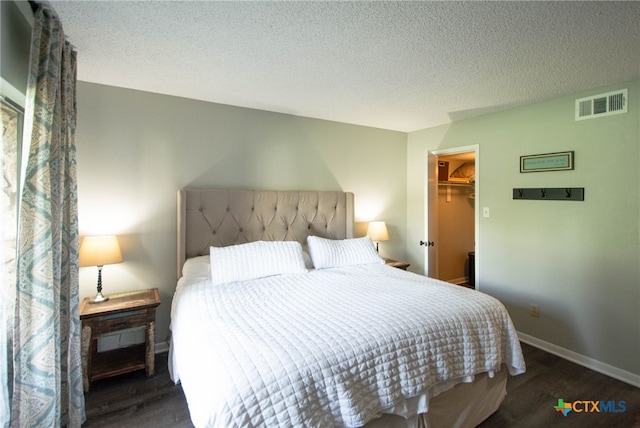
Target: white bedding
point(331, 347)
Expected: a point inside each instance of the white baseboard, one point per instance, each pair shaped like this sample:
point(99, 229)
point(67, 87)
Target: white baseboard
point(162, 347)
point(590, 363)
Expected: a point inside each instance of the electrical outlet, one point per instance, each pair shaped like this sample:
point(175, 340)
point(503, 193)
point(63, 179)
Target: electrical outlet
point(535, 311)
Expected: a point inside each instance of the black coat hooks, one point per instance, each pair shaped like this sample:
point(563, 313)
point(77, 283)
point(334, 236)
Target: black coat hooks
point(550, 194)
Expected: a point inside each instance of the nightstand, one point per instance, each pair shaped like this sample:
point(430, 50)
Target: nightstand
point(397, 264)
point(121, 313)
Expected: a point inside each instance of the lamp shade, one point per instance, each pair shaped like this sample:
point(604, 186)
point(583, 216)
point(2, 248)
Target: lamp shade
point(99, 251)
point(377, 231)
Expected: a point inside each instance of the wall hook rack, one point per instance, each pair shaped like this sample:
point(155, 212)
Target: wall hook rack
point(550, 194)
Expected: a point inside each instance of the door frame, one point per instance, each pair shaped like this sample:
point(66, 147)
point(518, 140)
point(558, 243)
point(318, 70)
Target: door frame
point(431, 178)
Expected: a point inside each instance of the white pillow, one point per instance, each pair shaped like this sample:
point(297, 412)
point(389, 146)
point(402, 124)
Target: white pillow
point(255, 260)
point(327, 253)
point(197, 266)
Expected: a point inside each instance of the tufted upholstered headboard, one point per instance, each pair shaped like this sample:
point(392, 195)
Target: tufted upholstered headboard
point(214, 217)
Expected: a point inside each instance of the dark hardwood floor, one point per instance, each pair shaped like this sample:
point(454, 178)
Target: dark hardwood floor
point(532, 396)
point(132, 400)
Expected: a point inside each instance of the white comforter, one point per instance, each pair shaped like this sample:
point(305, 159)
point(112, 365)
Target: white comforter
point(332, 347)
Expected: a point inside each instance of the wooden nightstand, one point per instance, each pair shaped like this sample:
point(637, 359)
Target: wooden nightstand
point(397, 264)
point(122, 312)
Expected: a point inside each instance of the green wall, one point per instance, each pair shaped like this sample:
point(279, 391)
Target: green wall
point(579, 261)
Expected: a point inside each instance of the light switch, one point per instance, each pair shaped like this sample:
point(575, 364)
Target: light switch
point(485, 212)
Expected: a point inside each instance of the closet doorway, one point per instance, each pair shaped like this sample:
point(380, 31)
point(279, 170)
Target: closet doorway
point(453, 215)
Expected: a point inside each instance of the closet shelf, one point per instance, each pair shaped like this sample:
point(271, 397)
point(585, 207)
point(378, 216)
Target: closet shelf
point(455, 183)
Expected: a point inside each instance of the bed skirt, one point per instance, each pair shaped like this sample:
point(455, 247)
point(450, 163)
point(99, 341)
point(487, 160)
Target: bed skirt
point(465, 405)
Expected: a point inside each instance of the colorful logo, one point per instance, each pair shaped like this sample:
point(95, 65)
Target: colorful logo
point(563, 407)
point(589, 406)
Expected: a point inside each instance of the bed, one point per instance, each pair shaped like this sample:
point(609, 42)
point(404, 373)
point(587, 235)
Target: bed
point(281, 317)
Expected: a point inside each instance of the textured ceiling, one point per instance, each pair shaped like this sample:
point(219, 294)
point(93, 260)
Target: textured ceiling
point(394, 65)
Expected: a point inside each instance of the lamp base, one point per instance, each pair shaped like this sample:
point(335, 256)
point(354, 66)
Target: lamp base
point(99, 298)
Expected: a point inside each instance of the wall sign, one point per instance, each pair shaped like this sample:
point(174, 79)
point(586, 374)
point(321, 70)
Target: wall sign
point(547, 162)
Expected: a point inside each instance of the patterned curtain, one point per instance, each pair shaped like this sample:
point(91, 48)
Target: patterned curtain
point(47, 378)
point(8, 210)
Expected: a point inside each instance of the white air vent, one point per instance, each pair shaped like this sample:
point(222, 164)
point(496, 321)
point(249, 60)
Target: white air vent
point(602, 105)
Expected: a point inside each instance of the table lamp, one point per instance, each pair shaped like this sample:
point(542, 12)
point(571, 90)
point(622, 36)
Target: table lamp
point(99, 251)
point(377, 231)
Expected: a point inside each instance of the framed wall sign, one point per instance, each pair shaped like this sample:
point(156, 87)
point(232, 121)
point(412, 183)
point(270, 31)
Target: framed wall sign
point(547, 162)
